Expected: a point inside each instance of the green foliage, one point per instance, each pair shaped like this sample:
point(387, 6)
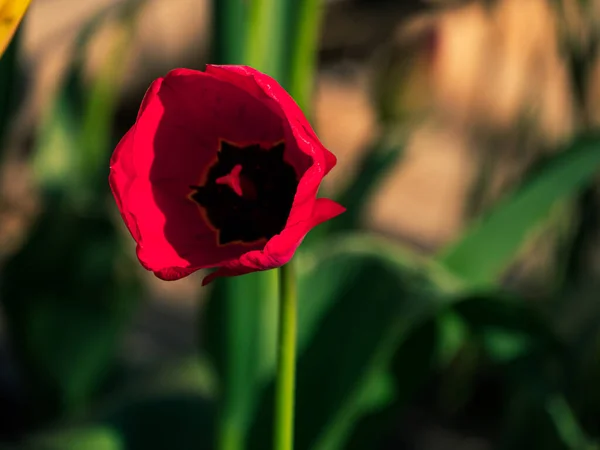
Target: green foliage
point(410, 370)
point(508, 328)
point(176, 421)
point(229, 18)
point(240, 332)
point(65, 325)
point(363, 299)
point(75, 138)
point(492, 243)
point(172, 408)
point(56, 158)
point(92, 438)
point(350, 328)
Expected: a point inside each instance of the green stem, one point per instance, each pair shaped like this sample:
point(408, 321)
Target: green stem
point(286, 363)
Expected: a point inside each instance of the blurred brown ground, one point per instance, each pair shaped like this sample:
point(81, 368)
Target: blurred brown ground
point(487, 71)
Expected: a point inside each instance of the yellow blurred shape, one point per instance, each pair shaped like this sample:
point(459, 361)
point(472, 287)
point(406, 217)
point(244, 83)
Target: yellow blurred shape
point(11, 13)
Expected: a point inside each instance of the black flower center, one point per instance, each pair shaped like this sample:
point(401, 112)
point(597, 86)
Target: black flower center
point(248, 192)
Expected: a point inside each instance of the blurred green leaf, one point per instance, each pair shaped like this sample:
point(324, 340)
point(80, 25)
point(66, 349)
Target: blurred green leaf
point(304, 19)
point(230, 20)
point(577, 318)
point(356, 246)
point(359, 300)
point(377, 392)
point(508, 327)
point(518, 343)
point(567, 425)
point(171, 408)
point(410, 369)
point(177, 422)
point(240, 327)
point(193, 374)
point(526, 423)
point(67, 302)
point(504, 346)
point(266, 43)
point(65, 324)
point(174, 421)
point(92, 438)
point(75, 138)
point(95, 136)
point(166, 406)
point(453, 334)
point(492, 242)
point(55, 159)
point(536, 406)
point(278, 37)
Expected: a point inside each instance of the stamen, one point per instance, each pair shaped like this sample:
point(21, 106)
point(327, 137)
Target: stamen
point(232, 180)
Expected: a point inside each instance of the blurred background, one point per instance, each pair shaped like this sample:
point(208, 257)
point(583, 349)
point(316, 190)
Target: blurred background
point(455, 305)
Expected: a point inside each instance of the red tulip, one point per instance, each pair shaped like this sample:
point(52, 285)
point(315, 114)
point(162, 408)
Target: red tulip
point(221, 169)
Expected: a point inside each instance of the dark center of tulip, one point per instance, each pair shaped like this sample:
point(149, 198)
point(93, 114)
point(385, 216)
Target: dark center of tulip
point(248, 192)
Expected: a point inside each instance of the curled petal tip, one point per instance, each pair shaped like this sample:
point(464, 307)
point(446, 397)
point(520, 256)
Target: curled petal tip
point(326, 209)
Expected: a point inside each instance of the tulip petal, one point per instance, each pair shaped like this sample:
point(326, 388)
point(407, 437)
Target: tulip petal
point(280, 249)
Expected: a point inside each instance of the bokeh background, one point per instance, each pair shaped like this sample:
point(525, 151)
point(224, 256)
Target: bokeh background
point(454, 306)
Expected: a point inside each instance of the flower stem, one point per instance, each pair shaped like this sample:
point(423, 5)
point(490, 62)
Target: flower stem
point(286, 363)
